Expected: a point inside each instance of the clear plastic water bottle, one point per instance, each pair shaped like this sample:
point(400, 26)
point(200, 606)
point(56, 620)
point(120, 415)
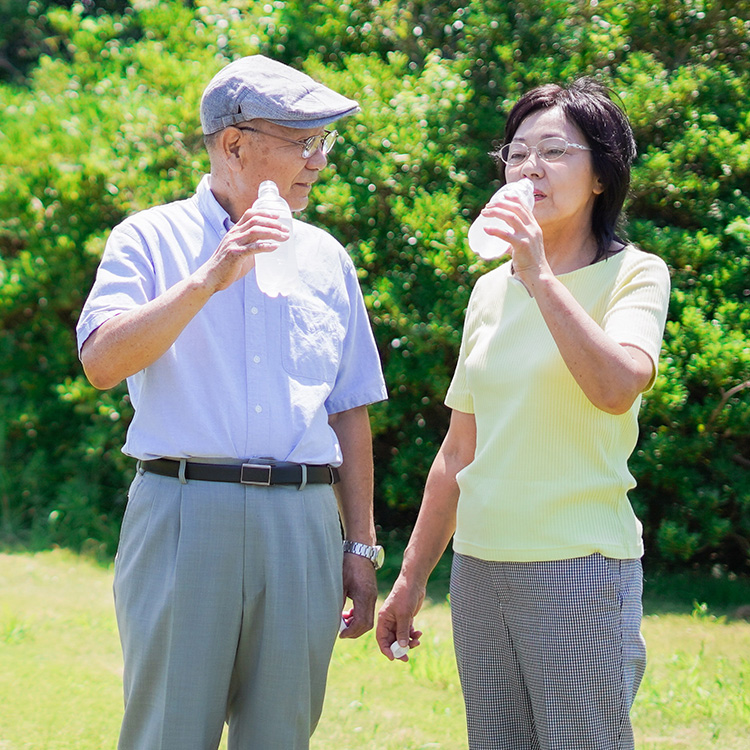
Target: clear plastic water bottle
point(486, 245)
point(276, 272)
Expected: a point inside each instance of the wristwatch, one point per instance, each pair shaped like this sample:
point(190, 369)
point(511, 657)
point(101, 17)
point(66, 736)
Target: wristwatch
point(376, 554)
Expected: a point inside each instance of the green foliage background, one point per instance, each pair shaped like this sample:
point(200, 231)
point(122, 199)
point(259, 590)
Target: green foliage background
point(100, 119)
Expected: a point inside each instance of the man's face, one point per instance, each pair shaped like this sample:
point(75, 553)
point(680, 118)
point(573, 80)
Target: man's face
point(272, 158)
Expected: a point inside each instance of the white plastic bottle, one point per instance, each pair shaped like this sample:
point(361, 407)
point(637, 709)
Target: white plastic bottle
point(485, 245)
point(276, 272)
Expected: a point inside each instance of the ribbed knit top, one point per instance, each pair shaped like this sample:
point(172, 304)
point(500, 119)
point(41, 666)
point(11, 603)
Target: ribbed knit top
point(549, 479)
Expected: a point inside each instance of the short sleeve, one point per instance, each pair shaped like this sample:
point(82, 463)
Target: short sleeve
point(359, 380)
point(459, 395)
point(124, 280)
point(637, 310)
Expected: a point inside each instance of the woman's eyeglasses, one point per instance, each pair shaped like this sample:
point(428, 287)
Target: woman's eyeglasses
point(548, 149)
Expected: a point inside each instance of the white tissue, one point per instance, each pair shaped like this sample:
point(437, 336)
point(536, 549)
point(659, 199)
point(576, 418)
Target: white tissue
point(398, 651)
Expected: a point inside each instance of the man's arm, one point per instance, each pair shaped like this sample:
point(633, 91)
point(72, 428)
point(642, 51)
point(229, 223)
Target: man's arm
point(130, 341)
point(354, 494)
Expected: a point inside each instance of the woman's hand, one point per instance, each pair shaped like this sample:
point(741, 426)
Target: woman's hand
point(523, 234)
point(396, 619)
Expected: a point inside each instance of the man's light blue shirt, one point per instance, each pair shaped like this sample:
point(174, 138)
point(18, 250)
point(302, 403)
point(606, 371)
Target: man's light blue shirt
point(250, 376)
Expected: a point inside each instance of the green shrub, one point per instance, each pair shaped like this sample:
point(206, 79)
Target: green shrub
point(104, 121)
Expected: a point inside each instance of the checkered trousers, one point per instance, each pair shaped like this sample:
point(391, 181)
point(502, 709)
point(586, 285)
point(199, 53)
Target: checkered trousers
point(549, 654)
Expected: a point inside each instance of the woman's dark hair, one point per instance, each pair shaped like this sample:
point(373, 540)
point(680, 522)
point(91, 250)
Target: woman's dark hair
point(605, 126)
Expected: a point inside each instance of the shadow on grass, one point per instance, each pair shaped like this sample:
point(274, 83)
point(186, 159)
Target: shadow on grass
point(665, 591)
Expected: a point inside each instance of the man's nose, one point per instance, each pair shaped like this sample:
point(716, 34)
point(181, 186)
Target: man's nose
point(317, 159)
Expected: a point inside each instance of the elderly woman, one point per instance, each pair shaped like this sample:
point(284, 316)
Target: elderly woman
point(532, 478)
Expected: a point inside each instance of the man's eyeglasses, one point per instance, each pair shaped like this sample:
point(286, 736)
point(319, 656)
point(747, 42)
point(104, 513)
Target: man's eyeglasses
point(310, 145)
point(548, 149)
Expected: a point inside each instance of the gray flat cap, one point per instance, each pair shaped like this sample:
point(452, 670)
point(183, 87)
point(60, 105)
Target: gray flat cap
point(257, 86)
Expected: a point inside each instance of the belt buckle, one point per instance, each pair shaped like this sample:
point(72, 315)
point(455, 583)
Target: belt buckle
point(266, 483)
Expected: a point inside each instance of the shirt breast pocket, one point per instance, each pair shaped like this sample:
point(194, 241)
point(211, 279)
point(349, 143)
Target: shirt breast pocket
point(312, 339)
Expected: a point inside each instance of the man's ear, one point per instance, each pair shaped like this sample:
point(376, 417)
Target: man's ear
point(228, 146)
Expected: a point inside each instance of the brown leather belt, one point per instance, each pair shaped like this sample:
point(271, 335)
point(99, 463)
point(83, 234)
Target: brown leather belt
point(262, 475)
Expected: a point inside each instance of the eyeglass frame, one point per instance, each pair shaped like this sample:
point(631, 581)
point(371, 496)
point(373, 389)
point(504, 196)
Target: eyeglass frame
point(328, 136)
point(568, 144)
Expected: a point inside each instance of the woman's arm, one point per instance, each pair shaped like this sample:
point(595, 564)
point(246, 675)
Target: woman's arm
point(611, 375)
point(434, 528)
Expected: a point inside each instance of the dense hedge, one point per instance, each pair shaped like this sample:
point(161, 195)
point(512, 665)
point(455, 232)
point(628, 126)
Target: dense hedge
point(100, 105)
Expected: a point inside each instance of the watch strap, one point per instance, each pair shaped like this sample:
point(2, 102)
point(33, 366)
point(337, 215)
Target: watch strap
point(373, 554)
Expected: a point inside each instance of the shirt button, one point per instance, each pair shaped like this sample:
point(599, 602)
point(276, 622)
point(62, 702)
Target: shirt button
point(259, 408)
point(256, 359)
point(254, 310)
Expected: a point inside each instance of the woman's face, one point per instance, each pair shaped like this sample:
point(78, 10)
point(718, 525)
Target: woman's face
point(565, 189)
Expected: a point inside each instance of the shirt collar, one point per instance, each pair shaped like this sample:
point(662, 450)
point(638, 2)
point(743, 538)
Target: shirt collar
point(217, 217)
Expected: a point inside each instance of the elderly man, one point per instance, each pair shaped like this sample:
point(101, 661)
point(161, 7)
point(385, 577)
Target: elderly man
point(250, 430)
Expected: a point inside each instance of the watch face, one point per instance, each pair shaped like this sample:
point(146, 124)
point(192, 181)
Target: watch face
point(379, 558)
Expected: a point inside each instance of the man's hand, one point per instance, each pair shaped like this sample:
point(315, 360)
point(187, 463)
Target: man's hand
point(255, 232)
point(361, 587)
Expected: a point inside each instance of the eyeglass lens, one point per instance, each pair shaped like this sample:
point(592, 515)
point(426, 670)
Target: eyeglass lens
point(548, 149)
point(314, 142)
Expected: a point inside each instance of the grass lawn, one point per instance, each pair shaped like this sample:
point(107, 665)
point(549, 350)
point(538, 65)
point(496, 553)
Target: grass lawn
point(60, 668)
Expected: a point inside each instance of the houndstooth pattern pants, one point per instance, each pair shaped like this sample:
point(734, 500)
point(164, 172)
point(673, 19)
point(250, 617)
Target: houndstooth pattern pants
point(549, 654)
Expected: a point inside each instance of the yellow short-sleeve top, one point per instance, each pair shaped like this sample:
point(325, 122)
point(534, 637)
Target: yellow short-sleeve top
point(549, 479)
